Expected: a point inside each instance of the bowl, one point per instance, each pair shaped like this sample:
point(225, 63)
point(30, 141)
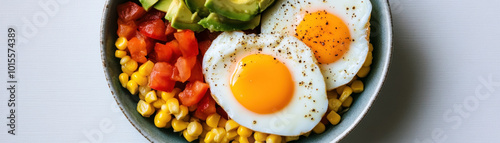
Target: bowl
point(381, 38)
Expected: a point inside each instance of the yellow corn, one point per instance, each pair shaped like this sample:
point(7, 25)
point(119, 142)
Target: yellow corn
point(291, 138)
point(307, 134)
point(235, 141)
point(222, 123)
point(123, 77)
point(334, 104)
point(142, 96)
point(203, 134)
point(346, 93)
point(194, 129)
point(121, 43)
point(158, 103)
point(125, 60)
point(194, 119)
point(273, 139)
point(206, 127)
point(144, 89)
point(120, 53)
point(357, 86)
point(125, 70)
point(368, 60)
point(146, 68)
point(363, 72)
point(231, 125)
point(219, 134)
point(167, 95)
point(333, 117)
point(179, 125)
point(131, 65)
point(213, 120)
point(259, 136)
point(162, 118)
point(347, 102)
point(145, 109)
point(230, 135)
point(151, 97)
point(209, 137)
point(340, 89)
point(370, 47)
point(183, 111)
point(188, 137)
point(332, 94)
point(173, 105)
point(140, 79)
point(320, 128)
point(244, 132)
point(242, 139)
point(132, 87)
point(258, 142)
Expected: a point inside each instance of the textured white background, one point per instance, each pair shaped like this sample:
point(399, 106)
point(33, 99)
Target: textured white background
point(441, 50)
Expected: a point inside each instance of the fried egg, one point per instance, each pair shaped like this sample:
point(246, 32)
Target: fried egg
point(337, 31)
point(269, 83)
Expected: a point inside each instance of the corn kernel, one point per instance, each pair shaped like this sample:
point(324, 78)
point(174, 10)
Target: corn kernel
point(219, 134)
point(183, 111)
point(259, 142)
point(194, 119)
point(244, 132)
point(131, 65)
point(145, 109)
point(363, 72)
point(146, 68)
point(203, 134)
point(125, 60)
point(346, 93)
point(333, 117)
point(340, 89)
point(347, 102)
point(140, 79)
point(319, 128)
point(142, 96)
point(120, 53)
point(213, 120)
point(167, 95)
point(225, 140)
point(291, 138)
point(194, 129)
point(222, 122)
point(370, 47)
point(231, 125)
point(209, 137)
point(132, 87)
point(123, 77)
point(230, 135)
point(121, 43)
point(307, 134)
point(332, 94)
point(334, 104)
point(151, 97)
point(357, 86)
point(188, 137)
point(273, 139)
point(162, 118)
point(144, 89)
point(158, 103)
point(173, 105)
point(125, 70)
point(235, 141)
point(242, 139)
point(206, 127)
point(259, 136)
point(179, 125)
point(368, 60)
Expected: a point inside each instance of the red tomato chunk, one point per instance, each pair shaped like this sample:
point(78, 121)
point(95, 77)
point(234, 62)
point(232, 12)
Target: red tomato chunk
point(187, 43)
point(137, 49)
point(130, 11)
point(193, 93)
point(160, 77)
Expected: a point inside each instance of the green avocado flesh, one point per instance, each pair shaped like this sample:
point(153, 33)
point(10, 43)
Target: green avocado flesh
point(146, 4)
point(242, 10)
point(215, 22)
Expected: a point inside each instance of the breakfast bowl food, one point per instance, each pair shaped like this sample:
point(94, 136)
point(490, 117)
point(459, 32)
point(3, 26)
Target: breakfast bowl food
point(182, 71)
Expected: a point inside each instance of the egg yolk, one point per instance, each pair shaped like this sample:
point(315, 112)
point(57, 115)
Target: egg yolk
point(326, 34)
point(262, 84)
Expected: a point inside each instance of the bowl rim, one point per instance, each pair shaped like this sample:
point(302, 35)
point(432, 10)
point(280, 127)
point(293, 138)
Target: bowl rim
point(385, 69)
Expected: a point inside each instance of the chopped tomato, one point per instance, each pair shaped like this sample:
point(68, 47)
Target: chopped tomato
point(200, 115)
point(126, 29)
point(196, 73)
point(203, 46)
point(193, 93)
point(153, 29)
point(164, 52)
point(169, 30)
point(137, 49)
point(182, 69)
point(187, 42)
point(160, 77)
point(206, 107)
point(130, 11)
point(150, 42)
point(222, 113)
point(152, 14)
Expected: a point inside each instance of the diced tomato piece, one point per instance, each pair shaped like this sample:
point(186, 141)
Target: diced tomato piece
point(206, 104)
point(150, 42)
point(193, 93)
point(152, 14)
point(187, 42)
point(203, 46)
point(169, 30)
point(200, 115)
point(137, 49)
point(126, 29)
point(160, 77)
point(164, 52)
point(182, 69)
point(196, 73)
point(221, 112)
point(130, 11)
point(153, 29)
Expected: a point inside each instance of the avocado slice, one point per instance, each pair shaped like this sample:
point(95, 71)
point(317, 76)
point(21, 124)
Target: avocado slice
point(242, 10)
point(146, 4)
point(163, 5)
point(216, 22)
point(181, 17)
point(198, 6)
point(264, 4)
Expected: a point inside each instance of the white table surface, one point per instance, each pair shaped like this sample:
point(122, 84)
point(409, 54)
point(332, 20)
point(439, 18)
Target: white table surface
point(444, 52)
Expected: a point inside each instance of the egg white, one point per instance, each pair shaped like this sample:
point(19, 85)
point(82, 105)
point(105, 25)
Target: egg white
point(285, 15)
point(309, 102)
